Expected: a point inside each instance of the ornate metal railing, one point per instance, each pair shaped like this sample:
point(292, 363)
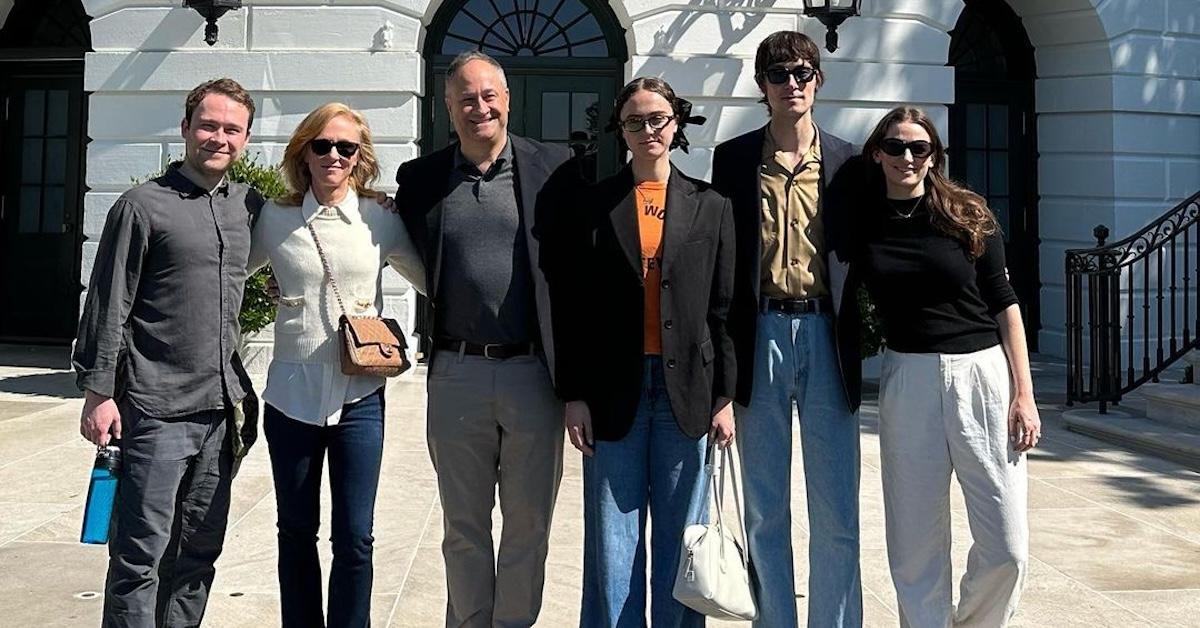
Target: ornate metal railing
point(1132, 306)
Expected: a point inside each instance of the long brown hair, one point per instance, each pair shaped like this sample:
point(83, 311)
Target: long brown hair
point(295, 169)
point(954, 209)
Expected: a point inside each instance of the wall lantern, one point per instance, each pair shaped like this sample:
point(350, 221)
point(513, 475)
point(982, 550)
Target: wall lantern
point(211, 11)
point(831, 13)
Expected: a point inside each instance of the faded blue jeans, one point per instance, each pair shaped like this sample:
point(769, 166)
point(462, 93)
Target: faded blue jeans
point(796, 362)
point(655, 464)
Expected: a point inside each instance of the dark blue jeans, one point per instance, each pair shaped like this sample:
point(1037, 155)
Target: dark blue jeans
point(298, 450)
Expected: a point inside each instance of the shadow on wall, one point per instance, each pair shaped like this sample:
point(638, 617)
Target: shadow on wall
point(734, 24)
point(172, 33)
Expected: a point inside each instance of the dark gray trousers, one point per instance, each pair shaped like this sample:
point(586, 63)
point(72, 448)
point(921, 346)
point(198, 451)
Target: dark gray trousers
point(171, 510)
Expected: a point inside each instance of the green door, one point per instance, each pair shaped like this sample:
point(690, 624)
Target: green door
point(40, 206)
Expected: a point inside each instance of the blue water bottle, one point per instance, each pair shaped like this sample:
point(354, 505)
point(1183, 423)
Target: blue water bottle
point(102, 492)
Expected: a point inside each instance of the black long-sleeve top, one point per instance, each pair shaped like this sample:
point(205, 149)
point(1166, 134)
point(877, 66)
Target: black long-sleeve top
point(931, 297)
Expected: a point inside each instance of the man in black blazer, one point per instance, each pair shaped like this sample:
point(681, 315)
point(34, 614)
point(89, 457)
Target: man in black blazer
point(795, 326)
point(493, 417)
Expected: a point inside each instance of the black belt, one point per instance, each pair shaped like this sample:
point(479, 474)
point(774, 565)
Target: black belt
point(491, 351)
point(815, 305)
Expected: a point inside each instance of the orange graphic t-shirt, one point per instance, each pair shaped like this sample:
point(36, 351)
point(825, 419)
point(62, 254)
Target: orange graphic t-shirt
point(651, 209)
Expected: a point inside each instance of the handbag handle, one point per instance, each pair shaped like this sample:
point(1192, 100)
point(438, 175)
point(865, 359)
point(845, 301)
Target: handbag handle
point(328, 273)
point(730, 459)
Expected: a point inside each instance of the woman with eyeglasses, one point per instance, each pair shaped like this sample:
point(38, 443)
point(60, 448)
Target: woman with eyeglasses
point(955, 394)
point(313, 410)
point(642, 281)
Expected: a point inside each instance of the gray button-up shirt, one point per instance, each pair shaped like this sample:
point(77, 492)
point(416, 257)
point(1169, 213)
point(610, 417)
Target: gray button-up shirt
point(160, 324)
point(486, 290)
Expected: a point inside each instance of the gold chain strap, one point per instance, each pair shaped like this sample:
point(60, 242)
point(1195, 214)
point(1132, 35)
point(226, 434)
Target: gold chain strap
point(328, 273)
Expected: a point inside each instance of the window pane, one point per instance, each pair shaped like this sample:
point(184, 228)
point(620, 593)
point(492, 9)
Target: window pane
point(999, 206)
point(52, 208)
point(35, 111)
point(977, 171)
point(998, 126)
point(31, 161)
point(56, 122)
point(998, 172)
point(30, 209)
point(581, 119)
point(56, 161)
point(556, 116)
point(976, 126)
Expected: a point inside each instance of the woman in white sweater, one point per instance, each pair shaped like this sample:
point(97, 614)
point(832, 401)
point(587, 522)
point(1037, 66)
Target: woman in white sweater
point(312, 409)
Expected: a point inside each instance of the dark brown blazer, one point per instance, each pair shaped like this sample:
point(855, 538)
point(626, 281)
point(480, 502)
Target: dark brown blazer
point(736, 171)
point(593, 264)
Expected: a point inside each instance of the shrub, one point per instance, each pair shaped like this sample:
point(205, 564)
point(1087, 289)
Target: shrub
point(870, 340)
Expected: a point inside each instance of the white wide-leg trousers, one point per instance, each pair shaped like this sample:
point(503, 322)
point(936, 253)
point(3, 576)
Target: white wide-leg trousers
point(943, 413)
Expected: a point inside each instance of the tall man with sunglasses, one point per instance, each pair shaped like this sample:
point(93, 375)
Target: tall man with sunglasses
point(157, 356)
point(493, 418)
point(795, 323)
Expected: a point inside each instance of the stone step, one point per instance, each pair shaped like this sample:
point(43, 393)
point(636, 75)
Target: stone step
point(1165, 440)
point(1193, 358)
point(1173, 404)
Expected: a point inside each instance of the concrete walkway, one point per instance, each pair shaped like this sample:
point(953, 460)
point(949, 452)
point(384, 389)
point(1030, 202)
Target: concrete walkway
point(1116, 535)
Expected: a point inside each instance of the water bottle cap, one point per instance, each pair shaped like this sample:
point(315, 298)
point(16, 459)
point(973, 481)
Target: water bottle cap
point(108, 456)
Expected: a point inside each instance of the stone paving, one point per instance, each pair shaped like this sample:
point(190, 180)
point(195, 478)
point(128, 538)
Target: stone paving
point(1115, 534)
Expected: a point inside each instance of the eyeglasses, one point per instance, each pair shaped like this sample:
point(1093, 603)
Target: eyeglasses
point(779, 76)
point(345, 148)
point(655, 123)
point(895, 147)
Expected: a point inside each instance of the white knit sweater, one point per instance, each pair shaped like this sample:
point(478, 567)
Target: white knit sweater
point(304, 380)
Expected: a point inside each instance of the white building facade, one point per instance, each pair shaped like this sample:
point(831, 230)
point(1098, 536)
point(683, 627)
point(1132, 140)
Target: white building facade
point(1065, 113)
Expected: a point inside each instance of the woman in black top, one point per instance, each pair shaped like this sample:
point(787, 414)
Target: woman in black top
point(956, 393)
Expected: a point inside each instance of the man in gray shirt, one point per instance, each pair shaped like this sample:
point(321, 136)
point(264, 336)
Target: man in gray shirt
point(157, 356)
point(493, 418)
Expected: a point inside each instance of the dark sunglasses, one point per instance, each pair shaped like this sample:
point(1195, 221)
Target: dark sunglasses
point(345, 148)
point(656, 123)
point(779, 76)
point(895, 147)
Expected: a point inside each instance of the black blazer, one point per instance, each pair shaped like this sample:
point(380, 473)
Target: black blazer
point(423, 184)
point(595, 271)
point(736, 166)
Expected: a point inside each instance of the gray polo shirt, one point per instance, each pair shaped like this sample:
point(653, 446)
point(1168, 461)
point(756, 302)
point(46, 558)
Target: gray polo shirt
point(485, 289)
point(160, 324)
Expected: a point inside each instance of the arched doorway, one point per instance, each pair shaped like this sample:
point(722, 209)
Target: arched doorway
point(993, 134)
point(563, 60)
point(43, 132)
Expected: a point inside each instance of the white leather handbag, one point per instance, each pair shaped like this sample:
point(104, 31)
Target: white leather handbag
point(714, 576)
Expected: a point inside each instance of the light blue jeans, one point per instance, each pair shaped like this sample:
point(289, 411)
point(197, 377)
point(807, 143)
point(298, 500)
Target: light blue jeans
point(796, 362)
point(655, 465)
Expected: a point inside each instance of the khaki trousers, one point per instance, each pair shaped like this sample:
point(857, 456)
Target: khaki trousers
point(494, 423)
point(943, 413)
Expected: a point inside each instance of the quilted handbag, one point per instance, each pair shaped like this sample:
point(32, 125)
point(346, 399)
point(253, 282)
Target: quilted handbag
point(370, 345)
point(714, 575)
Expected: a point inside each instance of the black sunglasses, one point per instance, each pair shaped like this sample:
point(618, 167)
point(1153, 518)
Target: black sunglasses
point(895, 147)
point(345, 148)
point(779, 76)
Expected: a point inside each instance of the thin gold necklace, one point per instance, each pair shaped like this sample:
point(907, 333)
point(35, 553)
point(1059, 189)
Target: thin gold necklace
point(911, 210)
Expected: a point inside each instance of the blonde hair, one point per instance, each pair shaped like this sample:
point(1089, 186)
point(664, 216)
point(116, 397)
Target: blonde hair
point(295, 168)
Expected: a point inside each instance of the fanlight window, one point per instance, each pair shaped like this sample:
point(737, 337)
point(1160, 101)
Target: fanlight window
point(526, 28)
